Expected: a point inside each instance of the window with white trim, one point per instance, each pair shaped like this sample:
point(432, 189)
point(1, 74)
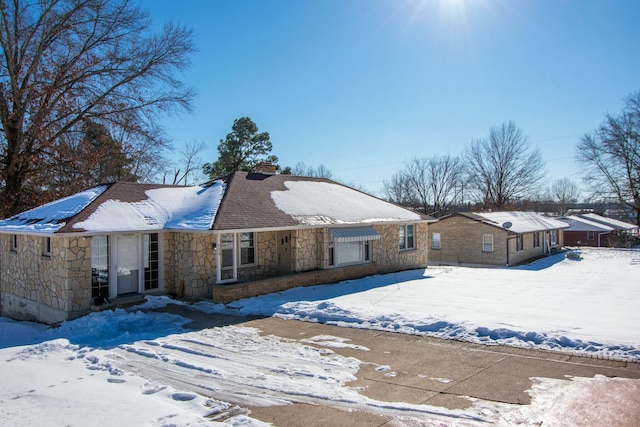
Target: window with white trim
point(226, 241)
point(247, 249)
point(151, 261)
point(487, 243)
point(99, 266)
point(591, 235)
point(435, 241)
point(406, 239)
point(519, 243)
point(536, 239)
point(554, 237)
point(349, 253)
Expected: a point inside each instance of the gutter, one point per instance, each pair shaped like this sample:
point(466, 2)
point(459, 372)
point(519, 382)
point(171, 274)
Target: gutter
point(600, 235)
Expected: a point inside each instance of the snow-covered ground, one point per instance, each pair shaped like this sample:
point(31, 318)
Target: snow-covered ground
point(126, 367)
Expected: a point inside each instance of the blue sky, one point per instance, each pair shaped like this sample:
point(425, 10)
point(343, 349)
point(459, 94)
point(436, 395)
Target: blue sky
point(362, 86)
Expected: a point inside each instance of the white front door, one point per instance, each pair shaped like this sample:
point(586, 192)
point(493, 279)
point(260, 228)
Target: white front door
point(127, 264)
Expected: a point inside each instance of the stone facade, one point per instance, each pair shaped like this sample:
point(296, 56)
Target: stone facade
point(308, 247)
point(54, 287)
point(228, 293)
point(389, 258)
point(461, 242)
point(311, 263)
point(43, 287)
point(189, 259)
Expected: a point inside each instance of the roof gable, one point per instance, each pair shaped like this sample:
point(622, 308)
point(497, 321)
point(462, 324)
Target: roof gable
point(123, 206)
point(52, 217)
point(154, 208)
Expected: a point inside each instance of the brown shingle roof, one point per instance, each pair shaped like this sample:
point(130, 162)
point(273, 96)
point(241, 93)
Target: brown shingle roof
point(247, 203)
point(122, 191)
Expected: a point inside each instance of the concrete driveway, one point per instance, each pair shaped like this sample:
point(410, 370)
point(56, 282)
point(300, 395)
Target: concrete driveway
point(436, 372)
point(429, 371)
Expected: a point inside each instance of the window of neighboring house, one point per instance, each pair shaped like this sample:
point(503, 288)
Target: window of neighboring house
point(14, 243)
point(536, 240)
point(99, 266)
point(554, 237)
point(406, 238)
point(519, 242)
point(435, 240)
point(590, 235)
point(487, 243)
point(151, 261)
point(247, 249)
point(46, 246)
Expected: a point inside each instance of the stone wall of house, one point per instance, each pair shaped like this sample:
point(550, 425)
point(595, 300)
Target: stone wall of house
point(190, 261)
point(308, 247)
point(388, 256)
point(45, 288)
point(232, 292)
point(461, 242)
point(169, 273)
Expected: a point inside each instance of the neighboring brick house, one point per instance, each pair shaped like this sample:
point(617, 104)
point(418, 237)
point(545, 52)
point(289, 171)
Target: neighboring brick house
point(243, 235)
point(582, 232)
point(493, 238)
point(594, 230)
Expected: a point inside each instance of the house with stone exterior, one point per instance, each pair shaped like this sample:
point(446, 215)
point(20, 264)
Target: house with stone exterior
point(493, 238)
point(242, 235)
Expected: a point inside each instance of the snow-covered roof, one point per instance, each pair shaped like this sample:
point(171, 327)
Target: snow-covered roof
point(324, 203)
point(175, 208)
point(522, 222)
point(53, 216)
point(258, 201)
point(240, 201)
point(581, 224)
point(618, 225)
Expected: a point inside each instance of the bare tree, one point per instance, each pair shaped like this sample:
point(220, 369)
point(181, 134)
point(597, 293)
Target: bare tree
point(188, 170)
point(321, 171)
point(430, 184)
point(398, 190)
point(446, 174)
point(503, 167)
point(612, 154)
point(564, 191)
point(64, 62)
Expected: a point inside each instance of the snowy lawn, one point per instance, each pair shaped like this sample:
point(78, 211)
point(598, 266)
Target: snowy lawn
point(589, 307)
point(126, 367)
